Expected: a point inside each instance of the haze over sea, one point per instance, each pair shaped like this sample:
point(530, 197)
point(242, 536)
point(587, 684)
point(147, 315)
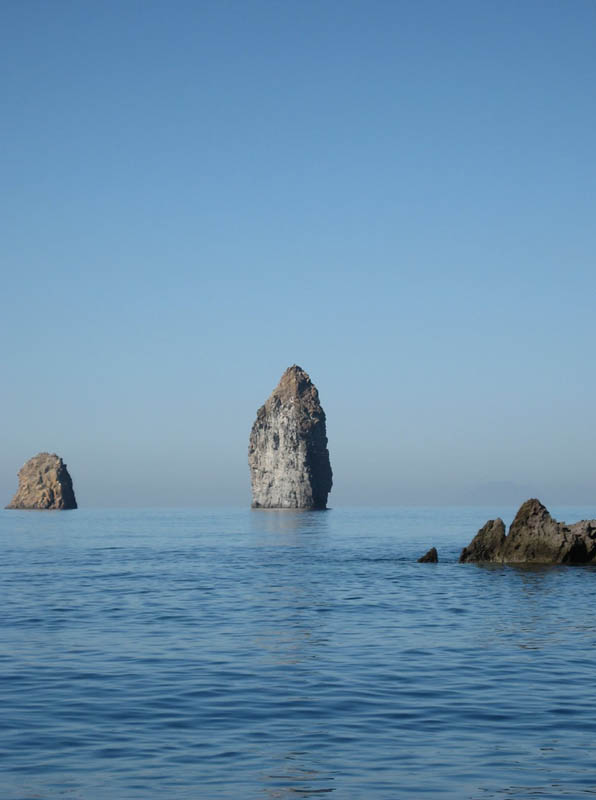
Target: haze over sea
point(237, 654)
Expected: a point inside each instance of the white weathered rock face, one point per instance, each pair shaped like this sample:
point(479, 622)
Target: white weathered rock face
point(288, 455)
point(44, 484)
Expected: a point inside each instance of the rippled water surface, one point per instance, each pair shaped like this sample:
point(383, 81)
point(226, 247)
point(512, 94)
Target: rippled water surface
point(237, 654)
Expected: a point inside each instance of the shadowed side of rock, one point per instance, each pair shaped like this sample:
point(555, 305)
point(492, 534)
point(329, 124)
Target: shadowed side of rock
point(287, 454)
point(534, 537)
point(488, 543)
point(44, 485)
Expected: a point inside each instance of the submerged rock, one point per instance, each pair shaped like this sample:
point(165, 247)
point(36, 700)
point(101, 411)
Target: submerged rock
point(287, 453)
point(534, 538)
point(431, 557)
point(44, 484)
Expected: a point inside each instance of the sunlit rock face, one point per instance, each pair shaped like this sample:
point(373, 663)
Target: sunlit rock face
point(44, 485)
point(534, 538)
point(287, 454)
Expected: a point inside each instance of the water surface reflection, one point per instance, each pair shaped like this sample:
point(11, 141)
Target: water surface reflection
point(281, 520)
point(268, 654)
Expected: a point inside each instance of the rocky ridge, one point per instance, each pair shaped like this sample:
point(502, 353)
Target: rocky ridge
point(44, 484)
point(534, 537)
point(287, 454)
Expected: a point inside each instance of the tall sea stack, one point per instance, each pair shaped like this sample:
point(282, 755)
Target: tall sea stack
point(44, 484)
point(287, 452)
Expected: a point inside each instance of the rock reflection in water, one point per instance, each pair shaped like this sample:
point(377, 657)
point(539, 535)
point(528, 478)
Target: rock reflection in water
point(282, 522)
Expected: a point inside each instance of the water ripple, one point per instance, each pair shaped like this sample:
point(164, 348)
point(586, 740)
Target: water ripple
point(221, 655)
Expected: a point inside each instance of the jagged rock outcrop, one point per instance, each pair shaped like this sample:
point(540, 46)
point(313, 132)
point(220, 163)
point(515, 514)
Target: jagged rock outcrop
point(287, 453)
point(534, 538)
point(487, 545)
point(431, 557)
point(44, 484)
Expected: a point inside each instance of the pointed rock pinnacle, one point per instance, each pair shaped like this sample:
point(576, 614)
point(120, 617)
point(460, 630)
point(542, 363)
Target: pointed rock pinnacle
point(287, 453)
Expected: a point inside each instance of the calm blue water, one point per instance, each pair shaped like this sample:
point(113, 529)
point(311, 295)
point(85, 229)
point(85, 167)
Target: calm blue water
point(237, 654)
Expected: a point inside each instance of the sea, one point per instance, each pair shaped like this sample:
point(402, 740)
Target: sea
point(238, 654)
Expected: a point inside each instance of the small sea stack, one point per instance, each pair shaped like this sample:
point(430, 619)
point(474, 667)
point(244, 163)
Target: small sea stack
point(44, 485)
point(287, 453)
point(431, 557)
point(534, 538)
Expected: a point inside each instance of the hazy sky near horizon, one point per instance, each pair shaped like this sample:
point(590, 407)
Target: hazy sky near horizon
point(398, 196)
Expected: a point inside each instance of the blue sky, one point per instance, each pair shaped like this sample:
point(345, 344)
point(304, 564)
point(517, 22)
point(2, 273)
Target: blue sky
point(398, 196)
